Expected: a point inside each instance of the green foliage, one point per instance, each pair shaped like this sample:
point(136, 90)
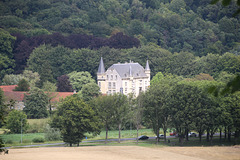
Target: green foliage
point(226, 3)
point(89, 91)
point(16, 120)
point(22, 86)
point(75, 118)
point(3, 108)
point(52, 134)
point(37, 125)
point(11, 79)
point(121, 111)
point(157, 112)
point(38, 58)
point(38, 140)
point(6, 65)
point(33, 78)
point(104, 107)
point(36, 102)
point(49, 87)
point(79, 79)
point(1, 145)
point(6, 43)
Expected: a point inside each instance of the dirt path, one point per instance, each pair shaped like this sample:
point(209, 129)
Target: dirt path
point(124, 153)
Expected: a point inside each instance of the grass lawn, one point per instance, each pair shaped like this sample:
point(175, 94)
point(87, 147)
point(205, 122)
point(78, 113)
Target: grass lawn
point(38, 125)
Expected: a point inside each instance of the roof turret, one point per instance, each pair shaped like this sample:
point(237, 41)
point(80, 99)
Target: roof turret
point(101, 68)
point(147, 66)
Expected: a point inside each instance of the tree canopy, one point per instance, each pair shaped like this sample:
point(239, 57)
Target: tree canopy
point(75, 118)
point(36, 102)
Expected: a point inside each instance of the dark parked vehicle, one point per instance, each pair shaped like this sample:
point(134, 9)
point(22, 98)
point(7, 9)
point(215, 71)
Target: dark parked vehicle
point(143, 137)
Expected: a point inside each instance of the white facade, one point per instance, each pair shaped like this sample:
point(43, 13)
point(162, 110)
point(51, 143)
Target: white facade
point(123, 78)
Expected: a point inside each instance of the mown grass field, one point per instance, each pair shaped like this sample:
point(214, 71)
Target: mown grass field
point(38, 126)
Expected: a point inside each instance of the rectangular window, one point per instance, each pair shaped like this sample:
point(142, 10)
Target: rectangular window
point(126, 90)
point(125, 84)
point(114, 85)
point(121, 90)
point(109, 85)
point(116, 77)
point(107, 77)
point(114, 91)
point(111, 77)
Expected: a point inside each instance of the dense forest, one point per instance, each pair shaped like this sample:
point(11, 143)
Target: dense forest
point(182, 37)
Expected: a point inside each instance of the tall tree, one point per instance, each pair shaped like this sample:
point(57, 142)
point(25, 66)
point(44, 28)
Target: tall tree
point(36, 102)
point(75, 118)
point(137, 110)
point(104, 106)
point(121, 111)
point(156, 109)
point(50, 90)
point(2, 117)
point(63, 84)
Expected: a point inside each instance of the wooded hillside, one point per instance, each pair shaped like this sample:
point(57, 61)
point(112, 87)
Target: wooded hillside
point(182, 37)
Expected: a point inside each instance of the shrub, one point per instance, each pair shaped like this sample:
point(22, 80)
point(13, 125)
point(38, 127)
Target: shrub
point(9, 141)
point(26, 141)
point(38, 140)
point(52, 134)
point(37, 125)
point(16, 121)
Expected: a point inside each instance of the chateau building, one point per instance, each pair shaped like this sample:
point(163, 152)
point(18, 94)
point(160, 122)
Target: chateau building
point(123, 78)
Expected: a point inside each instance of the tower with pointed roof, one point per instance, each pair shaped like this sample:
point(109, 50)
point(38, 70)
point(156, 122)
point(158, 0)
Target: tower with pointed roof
point(123, 78)
point(101, 77)
point(148, 71)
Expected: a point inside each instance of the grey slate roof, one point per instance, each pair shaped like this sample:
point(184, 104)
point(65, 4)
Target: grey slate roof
point(127, 69)
point(101, 68)
point(147, 66)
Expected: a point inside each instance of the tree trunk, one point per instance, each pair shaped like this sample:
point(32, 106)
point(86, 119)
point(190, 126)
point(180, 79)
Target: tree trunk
point(181, 139)
point(157, 136)
point(186, 134)
point(70, 144)
point(165, 139)
point(220, 134)
point(229, 134)
point(211, 138)
point(137, 133)
point(225, 132)
point(119, 133)
point(106, 135)
point(208, 135)
point(200, 136)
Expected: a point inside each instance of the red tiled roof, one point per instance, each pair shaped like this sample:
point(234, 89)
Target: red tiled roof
point(9, 88)
point(61, 95)
point(19, 96)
